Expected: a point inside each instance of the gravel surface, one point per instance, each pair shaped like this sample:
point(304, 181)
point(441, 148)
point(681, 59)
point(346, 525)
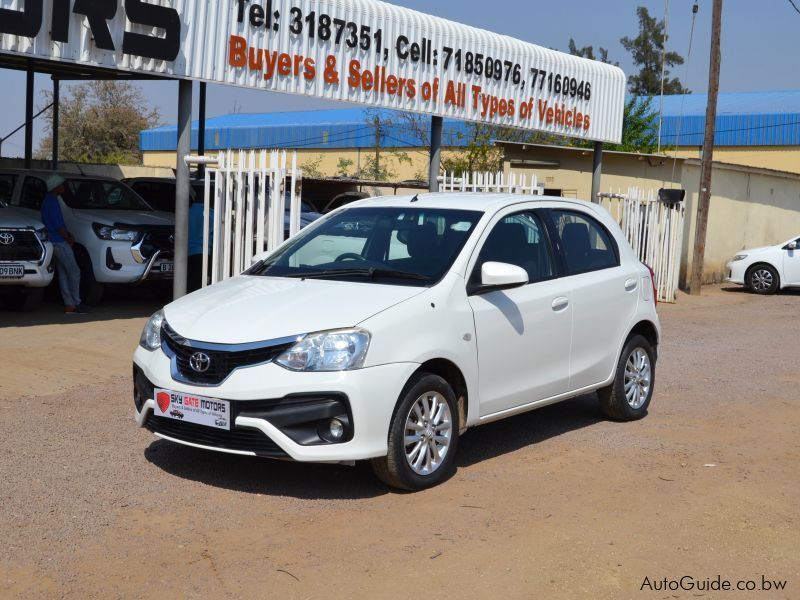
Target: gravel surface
point(556, 503)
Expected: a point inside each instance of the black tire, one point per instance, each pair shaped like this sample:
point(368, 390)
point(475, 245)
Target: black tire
point(762, 279)
point(91, 290)
point(614, 402)
point(24, 300)
point(394, 469)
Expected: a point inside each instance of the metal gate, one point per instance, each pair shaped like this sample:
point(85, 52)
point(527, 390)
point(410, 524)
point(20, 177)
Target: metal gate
point(248, 194)
point(654, 230)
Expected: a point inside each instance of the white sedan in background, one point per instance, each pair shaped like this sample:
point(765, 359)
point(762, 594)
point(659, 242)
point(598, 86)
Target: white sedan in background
point(769, 269)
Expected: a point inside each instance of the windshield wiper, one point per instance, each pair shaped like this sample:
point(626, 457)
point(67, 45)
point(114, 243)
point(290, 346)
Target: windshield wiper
point(370, 272)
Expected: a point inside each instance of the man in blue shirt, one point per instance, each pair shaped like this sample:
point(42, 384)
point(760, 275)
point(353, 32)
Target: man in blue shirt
point(195, 273)
point(69, 274)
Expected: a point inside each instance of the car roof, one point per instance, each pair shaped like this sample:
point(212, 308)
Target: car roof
point(44, 173)
point(479, 201)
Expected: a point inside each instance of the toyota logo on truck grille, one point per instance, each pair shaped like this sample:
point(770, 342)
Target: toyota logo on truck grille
point(6, 239)
point(200, 361)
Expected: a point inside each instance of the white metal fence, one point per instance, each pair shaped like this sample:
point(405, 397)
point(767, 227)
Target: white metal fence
point(510, 183)
point(247, 192)
point(655, 230)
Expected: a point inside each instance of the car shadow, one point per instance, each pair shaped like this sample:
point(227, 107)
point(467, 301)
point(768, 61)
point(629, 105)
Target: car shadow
point(252, 475)
point(743, 290)
point(118, 303)
point(530, 428)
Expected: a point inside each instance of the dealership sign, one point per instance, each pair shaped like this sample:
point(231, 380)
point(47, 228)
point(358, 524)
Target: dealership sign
point(361, 51)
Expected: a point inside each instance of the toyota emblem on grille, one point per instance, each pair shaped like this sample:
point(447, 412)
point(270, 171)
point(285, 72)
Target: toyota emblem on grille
point(200, 361)
point(6, 239)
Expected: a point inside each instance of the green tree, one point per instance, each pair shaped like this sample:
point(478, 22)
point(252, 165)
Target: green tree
point(100, 122)
point(588, 52)
point(638, 118)
point(646, 50)
point(639, 127)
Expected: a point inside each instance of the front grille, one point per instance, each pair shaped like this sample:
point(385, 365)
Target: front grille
point(162, 239)
point(222, 363)
point(238, 438)
point(20, 245)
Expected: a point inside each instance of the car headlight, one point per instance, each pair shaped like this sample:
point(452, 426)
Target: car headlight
point(117, 234)
point(339, 350)
point(151, 334)
point(42, 234)
point(739, 257)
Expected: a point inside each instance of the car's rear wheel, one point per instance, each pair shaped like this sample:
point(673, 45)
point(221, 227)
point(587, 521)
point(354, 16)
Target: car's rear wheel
point(763, 279)
point(628, 397)
point(423, 435)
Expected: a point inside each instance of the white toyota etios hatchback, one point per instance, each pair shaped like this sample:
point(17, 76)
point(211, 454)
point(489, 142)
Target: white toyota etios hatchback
point(388, 327)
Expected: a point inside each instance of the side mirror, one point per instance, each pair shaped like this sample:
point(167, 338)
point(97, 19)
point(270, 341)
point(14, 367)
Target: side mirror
point(792, 245)
point(502, 276)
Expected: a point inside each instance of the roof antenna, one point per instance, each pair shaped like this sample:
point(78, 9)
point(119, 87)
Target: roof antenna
point(415, 198)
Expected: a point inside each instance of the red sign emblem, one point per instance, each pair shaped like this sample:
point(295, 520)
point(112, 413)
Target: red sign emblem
point(163, 401)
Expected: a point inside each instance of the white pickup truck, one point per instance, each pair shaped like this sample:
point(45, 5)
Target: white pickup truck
point(26, 257)
point(119, 238)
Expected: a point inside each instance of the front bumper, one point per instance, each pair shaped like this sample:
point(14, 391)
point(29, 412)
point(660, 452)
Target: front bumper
point(735, 271)
point(268, 401)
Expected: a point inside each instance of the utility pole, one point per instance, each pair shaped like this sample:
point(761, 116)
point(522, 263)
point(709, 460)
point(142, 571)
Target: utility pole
point(704, 195)
point(377, 146)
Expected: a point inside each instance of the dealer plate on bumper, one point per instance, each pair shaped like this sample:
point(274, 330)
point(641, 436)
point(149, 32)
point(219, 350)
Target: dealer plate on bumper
point(200, 410)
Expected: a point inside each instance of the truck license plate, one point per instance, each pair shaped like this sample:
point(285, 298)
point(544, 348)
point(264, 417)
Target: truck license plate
point(12, 271)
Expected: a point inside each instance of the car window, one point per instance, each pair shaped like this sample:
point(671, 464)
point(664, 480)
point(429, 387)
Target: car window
point(585, 243)
point(159, 195)
point(94, 194)
point(7, 188)
point(519, 240)
point(33, 191)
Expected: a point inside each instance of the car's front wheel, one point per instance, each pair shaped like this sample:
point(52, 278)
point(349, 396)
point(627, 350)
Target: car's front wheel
point(763, 279)
point(423, 435)
point(628, 397)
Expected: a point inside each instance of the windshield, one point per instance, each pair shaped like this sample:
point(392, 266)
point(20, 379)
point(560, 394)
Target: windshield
point(87, 193)
point(397, 245)
point(6, 188)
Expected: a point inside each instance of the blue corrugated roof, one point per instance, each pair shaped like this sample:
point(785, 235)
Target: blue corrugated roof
point(743, 119)
point(323, 129)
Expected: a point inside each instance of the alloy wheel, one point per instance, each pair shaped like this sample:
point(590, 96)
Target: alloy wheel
point(761, 279)
point(428, 432)
point(637, 378)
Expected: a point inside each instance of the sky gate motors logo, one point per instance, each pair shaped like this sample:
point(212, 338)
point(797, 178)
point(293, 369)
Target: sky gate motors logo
point(27, 22)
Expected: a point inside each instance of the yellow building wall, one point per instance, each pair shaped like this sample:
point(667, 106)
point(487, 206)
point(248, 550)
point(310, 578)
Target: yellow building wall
point(778, 158)
point(403, 164)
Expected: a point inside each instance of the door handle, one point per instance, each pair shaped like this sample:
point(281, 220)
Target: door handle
point(630, 285)
point(560, 303)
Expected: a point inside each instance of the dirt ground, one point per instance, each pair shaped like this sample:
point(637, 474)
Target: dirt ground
point(556, 503)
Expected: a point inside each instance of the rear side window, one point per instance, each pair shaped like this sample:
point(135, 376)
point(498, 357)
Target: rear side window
point(160, 196)
point(33, 191)
point(7, 187)
point(585, 243)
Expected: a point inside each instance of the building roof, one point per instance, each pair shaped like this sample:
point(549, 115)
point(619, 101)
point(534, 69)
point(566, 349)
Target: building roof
point(743, 119)
point(318, 129)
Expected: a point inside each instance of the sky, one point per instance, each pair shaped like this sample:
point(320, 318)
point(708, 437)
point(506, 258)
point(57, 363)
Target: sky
point(760, 46)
